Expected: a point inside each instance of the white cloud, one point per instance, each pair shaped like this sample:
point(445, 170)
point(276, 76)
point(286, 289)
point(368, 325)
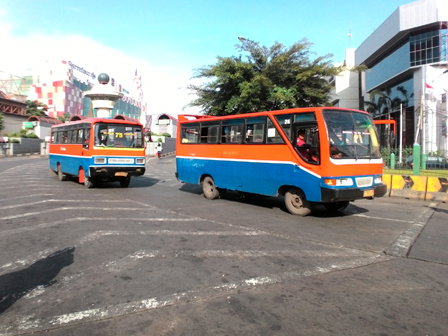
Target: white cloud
point(163, 86)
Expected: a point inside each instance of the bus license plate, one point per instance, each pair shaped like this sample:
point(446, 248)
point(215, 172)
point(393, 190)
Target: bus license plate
point(126, 174)
point(368, 193)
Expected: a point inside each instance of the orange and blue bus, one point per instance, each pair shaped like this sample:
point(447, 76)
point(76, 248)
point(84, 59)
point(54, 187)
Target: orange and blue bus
point(96, 150)
point(337, 161)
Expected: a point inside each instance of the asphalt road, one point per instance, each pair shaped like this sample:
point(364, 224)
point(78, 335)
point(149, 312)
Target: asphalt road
point(158, 258)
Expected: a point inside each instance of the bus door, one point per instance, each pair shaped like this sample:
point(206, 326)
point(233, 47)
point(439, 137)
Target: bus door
point(305, 139)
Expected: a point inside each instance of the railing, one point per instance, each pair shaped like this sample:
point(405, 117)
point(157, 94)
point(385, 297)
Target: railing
point(410, 164)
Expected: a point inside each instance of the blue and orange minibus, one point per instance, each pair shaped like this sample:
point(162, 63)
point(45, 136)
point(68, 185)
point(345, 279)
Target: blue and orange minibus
point(337, 161)
point(96, 150)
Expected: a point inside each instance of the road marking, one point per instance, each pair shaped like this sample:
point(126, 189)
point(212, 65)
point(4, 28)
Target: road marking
point(84, 219)
point(26, 196)
point(403, 244)
point(116, 266)
point(99, 234)
point(382, 218)
point(32, 324)
point(61, 200)
point(27, 214)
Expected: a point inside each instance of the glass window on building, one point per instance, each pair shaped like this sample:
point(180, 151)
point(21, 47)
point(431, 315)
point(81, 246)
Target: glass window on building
point(428, 46)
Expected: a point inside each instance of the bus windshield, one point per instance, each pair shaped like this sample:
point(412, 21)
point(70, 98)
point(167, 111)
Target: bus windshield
point(352, 135)
point(118, 135)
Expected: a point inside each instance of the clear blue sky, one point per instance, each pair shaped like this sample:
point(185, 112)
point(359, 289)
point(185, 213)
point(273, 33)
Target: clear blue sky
point(183, 35)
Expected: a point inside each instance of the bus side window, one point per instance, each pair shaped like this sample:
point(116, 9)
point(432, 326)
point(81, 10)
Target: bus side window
point(64, 137)
point(255, 129)
point(190, 134)
point(209, 133)
point(80, 135)
point(232, 131)
point(284, 121)
point(273, 136)
point(74, 137)
point(86, 139)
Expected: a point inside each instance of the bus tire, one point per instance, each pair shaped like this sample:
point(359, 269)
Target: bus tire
point(209, 188)
point(61, 175)
point(88, 182)
point(124, 182)
point(296, 202)
point(336, 206)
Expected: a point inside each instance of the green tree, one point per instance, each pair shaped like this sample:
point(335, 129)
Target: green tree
point(269, 79)
point(65, 117)
point(36, 108)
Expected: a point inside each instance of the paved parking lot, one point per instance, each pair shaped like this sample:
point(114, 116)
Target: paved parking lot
point(159, 259)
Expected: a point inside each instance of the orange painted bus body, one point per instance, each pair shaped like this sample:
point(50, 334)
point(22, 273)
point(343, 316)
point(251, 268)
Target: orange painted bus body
point(271, 168)
point(82, 156)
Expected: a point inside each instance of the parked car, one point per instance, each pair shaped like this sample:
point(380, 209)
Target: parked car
point(432, 162)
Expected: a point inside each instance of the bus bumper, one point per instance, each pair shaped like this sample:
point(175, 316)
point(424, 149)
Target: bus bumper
point(351, 194)
point(104, 171)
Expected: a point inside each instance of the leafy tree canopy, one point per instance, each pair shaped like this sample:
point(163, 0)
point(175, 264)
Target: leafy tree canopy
point(271, 78)
point(36, 108)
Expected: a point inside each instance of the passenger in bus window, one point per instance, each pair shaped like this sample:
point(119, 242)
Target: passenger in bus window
point(334, 152)
point(301, 138)
point(304, 149)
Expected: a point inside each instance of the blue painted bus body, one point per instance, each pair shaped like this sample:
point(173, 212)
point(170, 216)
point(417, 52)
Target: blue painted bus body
point(259, 177)
point(70, 163)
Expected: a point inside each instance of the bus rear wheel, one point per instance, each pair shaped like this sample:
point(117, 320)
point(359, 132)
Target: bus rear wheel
point(61, 175)
point(209, 188)
point(124, 182)
point(296, 202)
point(337, 206)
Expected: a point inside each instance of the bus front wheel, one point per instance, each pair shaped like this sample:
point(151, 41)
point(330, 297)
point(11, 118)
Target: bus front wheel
point(124, 183)
point(209, 188)
point(337, 206)
point(61, 175)
point(296, 202)
point(87, 181)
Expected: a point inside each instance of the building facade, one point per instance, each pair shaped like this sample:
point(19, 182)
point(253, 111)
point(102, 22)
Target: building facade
point(161, 123)
point(407, 74)
point(60, 85)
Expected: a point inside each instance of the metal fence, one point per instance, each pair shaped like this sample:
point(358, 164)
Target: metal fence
point(405, 163)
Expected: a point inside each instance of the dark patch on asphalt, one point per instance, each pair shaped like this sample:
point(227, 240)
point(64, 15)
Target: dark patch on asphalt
point(42, 273)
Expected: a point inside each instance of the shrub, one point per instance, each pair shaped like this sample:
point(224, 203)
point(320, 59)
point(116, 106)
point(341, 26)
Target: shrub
point(167, 134)
point(23, 134)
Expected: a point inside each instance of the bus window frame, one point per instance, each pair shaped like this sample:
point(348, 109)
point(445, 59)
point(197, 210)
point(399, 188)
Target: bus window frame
point(208, 125)
point(238, 122)
point(247, 122)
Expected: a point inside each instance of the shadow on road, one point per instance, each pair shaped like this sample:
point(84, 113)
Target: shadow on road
point(42, 273)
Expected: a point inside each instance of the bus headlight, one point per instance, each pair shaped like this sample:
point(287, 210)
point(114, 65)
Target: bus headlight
point(378, 179)
point(99, 160)
point(140, 161)
point(342, 182)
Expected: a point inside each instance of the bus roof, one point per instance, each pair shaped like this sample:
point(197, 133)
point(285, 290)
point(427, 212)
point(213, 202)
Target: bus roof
point(192, 117)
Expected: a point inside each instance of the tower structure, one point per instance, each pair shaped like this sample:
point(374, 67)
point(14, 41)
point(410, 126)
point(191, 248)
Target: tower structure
point(103, 97)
